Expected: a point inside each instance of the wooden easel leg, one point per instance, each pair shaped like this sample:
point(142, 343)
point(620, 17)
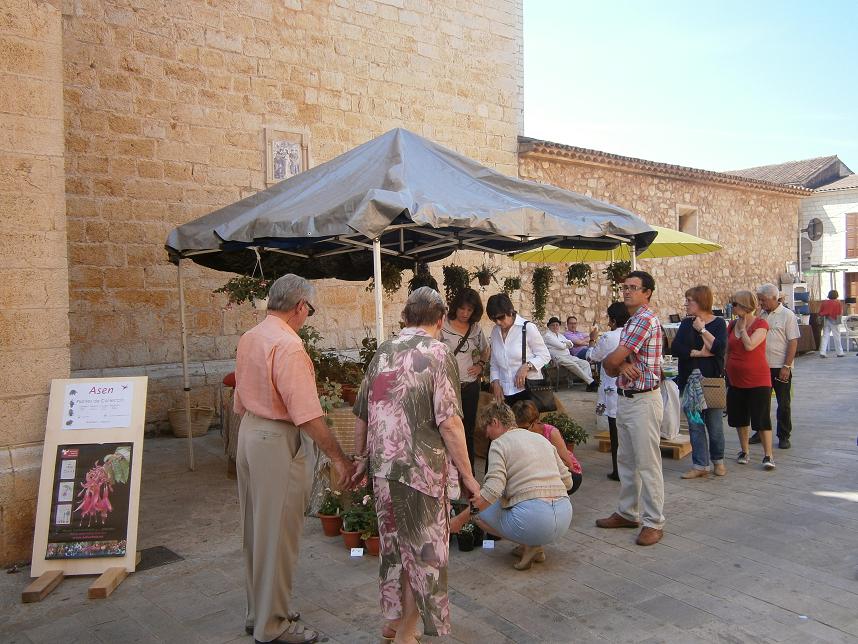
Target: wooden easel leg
point(107, 583)
point(41, 587)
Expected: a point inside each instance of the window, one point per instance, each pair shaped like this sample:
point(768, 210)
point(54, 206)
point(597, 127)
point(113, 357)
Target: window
point(686, 220)
point(852, 235)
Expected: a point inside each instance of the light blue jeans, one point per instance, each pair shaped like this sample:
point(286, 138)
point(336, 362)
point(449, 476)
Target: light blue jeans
point(707, 440)
point(534, 522)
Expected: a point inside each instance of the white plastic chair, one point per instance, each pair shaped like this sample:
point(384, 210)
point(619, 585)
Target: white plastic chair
point(851, 324)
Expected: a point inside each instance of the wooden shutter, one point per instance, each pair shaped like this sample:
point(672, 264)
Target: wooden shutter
point(852, 235)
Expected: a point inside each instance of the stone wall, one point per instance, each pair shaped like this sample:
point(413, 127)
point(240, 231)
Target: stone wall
point(34, 335)
point(166, 110)
point(755, 226)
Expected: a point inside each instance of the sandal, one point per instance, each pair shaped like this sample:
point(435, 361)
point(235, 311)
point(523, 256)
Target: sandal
point(388, 634)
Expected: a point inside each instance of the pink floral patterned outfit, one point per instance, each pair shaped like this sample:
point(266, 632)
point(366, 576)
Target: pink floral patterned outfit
point(410, 388)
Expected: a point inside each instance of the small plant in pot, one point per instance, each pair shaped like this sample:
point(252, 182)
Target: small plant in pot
point(485, 274)
point(359, 517)
point(245, 288)
point(573, 434)
point(330, 512)
point(466, 537)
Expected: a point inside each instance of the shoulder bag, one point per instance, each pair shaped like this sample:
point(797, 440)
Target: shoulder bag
point(540, 391)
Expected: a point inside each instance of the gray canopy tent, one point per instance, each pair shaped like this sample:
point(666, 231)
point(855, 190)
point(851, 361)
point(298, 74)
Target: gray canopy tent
point(399, 196)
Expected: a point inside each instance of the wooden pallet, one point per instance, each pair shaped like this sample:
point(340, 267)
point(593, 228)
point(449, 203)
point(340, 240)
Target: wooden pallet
point(676, 448)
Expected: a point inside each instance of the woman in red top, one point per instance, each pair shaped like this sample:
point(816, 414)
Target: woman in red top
point(830, 311)
point(749, 397)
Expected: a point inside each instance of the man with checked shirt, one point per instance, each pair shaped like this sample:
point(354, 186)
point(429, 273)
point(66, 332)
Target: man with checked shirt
point(637, 364)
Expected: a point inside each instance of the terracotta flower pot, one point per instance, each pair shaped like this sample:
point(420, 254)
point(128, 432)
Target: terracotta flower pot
point(372, 545)
point(350, 393)
point(351, 539)
point(331, 524)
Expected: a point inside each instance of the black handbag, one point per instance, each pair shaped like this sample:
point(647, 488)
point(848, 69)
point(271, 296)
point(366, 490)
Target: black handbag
point(540, 392)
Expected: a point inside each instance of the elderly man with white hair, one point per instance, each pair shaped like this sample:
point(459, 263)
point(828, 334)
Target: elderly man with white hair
point(781, 345)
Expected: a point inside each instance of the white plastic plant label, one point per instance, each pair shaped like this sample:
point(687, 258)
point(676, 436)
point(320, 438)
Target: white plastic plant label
point(357, 552)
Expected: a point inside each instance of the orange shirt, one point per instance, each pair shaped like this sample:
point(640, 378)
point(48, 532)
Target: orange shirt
point(831, 309)
point(274, 375)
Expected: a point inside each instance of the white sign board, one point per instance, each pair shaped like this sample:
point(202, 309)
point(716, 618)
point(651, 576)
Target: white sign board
point(89, 490)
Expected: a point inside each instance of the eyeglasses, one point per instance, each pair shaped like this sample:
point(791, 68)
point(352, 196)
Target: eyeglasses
point(500, 317)
point(735, 304)
point(310, 309)
point(631, 288)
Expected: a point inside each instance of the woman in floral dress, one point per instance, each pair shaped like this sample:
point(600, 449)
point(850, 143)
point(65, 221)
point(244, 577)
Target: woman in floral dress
point(409, 435)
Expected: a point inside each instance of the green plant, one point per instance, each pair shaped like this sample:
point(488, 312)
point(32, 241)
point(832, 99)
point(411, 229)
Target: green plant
point(331, 396)
point(332, 502)
point(244, 288)
point(578, 275)
point(422, 277)
point(484, 273)
point(616, 272)
point(455, 279)
point(360, 516)
point(468, 528)
point(511, 284)
point(391, 279)
point(368, 347)
point(542, 277)
point(570, 430)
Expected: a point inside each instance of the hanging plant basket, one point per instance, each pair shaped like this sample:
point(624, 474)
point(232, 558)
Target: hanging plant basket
point(485, 273)
point(578, 275)
point(511, 284)
point(542, 278)
point(616, 272)
point(391, 279)
point(455, 279)
point(422, 277)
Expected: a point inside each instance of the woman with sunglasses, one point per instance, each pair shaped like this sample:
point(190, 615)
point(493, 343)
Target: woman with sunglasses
point(749, 397)
point(508, 370)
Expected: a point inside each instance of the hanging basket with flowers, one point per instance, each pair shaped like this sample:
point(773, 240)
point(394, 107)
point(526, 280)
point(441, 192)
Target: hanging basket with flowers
point(578, 275)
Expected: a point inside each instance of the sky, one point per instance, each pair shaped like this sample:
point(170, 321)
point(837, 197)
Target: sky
point(713, 85)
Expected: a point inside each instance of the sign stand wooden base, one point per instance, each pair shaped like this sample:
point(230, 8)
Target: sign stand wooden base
point(101, 588)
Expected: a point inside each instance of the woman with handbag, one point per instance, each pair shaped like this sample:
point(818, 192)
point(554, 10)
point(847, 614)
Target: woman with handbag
point(700, 345)
point(465, 339)
point(518, 352)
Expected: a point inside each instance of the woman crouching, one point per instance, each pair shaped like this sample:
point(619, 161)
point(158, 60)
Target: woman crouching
point(523, 497)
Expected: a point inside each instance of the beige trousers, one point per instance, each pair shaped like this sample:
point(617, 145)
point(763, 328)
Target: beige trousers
point(639, 458)
point(272, 496)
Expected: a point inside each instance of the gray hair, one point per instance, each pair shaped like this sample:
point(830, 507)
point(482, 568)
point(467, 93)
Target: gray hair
point(287, 291)
point(769, 290)
point(423, 307)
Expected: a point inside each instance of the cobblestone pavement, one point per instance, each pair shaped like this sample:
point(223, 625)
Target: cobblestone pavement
point(750, 557)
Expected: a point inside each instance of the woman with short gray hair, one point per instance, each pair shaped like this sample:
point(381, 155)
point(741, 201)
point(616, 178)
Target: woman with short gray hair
point(408, 429)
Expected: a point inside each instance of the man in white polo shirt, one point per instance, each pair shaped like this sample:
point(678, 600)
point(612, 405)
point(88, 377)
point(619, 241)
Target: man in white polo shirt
point(781, 345)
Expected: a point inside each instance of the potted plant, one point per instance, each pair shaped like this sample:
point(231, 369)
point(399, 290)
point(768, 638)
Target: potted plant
point(616, 272)
point(485, 274)
point(455, 279)
point(466, 537)
point(511, 284)
point(578, 274)
point(370, 534)
point(422, 277)
point(358, 517)
point(330, 397)
point(245, 288)
point(391, 279)
point(573, 434)
point(542, 277)
point(330, 512)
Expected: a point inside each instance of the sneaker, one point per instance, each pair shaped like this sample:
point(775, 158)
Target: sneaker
point(841, 355)
point(784, 443)
point(742, 458)
point(822, 355)
point(754, 439)
point(768, 463)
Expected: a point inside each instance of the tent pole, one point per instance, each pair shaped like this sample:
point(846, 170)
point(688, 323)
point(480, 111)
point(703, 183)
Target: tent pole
point(186, 383)
point(376, 271)
point(634, 255)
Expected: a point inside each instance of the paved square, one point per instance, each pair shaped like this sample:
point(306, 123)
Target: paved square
point(749, 557)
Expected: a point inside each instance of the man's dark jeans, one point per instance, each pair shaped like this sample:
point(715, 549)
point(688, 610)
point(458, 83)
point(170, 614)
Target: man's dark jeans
point(783, 392)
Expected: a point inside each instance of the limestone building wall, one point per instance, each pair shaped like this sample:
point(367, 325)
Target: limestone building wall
point(34, 336)
point(167, 104)
point(755, 225)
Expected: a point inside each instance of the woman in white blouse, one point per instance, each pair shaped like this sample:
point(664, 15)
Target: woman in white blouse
point(508, 370)
point(618, 315)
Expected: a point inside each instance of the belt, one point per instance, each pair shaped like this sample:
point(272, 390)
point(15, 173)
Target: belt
point(630, 393)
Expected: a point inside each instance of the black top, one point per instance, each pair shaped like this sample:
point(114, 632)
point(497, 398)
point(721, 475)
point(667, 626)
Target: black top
point(687, 338)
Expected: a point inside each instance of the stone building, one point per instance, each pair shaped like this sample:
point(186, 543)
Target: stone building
point(755, 221)
point(122, 119)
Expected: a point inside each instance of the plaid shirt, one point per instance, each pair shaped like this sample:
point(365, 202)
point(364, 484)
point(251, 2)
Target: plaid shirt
point(643, 336)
